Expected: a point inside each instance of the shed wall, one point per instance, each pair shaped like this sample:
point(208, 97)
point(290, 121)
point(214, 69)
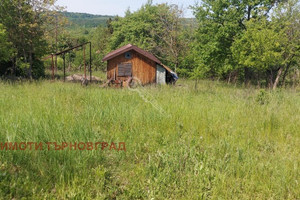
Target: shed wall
point(142, 68)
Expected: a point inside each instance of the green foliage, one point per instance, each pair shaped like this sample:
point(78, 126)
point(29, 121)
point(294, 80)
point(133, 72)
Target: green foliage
point(237, 37)
point(100, 39)
point(85, 20)
point(155, 28)
point(219, 21)
point(286, 17)
point(38, 69)
point(262, 97)
point(136, 28)
point(6, 49)
point(260, 47)
point(229, 40)
point(24, 22)
point(6, 52)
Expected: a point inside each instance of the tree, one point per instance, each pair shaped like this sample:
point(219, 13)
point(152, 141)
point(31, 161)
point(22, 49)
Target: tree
point(25, 22)
point(287, 16)
point(100, 41)
point(170, 45)
point(155, 28)
point(219, 22)
point(6, 51)
point(136, 28)
point(5, 46)
point(260, 48)
point(187, 58)
point(270, 46)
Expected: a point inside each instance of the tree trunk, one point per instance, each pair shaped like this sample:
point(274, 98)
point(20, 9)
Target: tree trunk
point(176, 65)
point(30, 66)
point(285, 73)
point(14, 67)
point(196, 84)
point(287, 69)
point(229, 78)
point(246, 71)
point(295, 77)
point(277, 78)
point(258, 80)
point(249, 13)
point(271, 79)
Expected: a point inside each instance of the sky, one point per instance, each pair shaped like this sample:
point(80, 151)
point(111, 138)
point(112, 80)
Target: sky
point(118, 7)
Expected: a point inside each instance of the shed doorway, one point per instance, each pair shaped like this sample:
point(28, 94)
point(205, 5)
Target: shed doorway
point(160, 74)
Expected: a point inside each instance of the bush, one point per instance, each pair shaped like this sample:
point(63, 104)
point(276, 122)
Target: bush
point(5, 67)
point(38, 69)
point(263, 97)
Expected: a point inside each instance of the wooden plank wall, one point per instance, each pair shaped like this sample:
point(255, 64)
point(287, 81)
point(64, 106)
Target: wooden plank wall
point(142, 68)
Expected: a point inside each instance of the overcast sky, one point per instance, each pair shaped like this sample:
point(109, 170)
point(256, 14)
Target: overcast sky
point(117, 7)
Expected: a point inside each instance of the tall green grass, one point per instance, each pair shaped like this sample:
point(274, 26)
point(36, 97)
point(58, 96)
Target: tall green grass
point(209, 141)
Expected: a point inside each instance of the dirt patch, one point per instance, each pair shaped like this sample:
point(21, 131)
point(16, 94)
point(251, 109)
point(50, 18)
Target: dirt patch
point(80, 78)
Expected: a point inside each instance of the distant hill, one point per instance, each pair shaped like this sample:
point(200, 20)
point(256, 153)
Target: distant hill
point(189, 22)
point(85, 20)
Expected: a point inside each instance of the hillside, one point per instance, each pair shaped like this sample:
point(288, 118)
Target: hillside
point(86, 20)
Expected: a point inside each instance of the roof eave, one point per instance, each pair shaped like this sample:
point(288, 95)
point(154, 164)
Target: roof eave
point(128, 48)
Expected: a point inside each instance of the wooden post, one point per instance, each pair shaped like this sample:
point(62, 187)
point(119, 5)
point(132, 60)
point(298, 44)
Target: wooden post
point(52, 67)
point(55, 63)
point(90, 62)
point(64, 67)
point(84, 62)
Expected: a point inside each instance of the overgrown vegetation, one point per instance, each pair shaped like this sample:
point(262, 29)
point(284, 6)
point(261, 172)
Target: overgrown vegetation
point(247, 40)
point(212, 141)
point(25, 23)
point(255, 42)
point(196, 140)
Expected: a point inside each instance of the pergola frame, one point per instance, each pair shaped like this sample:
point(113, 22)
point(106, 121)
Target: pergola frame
point(64, 57)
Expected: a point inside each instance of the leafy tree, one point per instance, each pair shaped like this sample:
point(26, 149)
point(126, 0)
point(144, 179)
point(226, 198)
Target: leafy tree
point(5, 46)
point(136, 28)
point(286, 17)
point(269, 47)
point(170, 44)
point(155, 28)
point(219, 22)
point(25, 22)
point(6, 51)
point(100, 41)
point(187, 40)
point(260, 48)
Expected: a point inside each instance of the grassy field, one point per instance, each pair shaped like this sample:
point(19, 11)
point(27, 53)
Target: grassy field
point(209, 141)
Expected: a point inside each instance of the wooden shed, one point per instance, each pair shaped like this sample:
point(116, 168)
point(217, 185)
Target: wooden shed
point(131, 61)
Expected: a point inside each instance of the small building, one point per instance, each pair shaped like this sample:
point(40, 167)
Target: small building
point(132, 62)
